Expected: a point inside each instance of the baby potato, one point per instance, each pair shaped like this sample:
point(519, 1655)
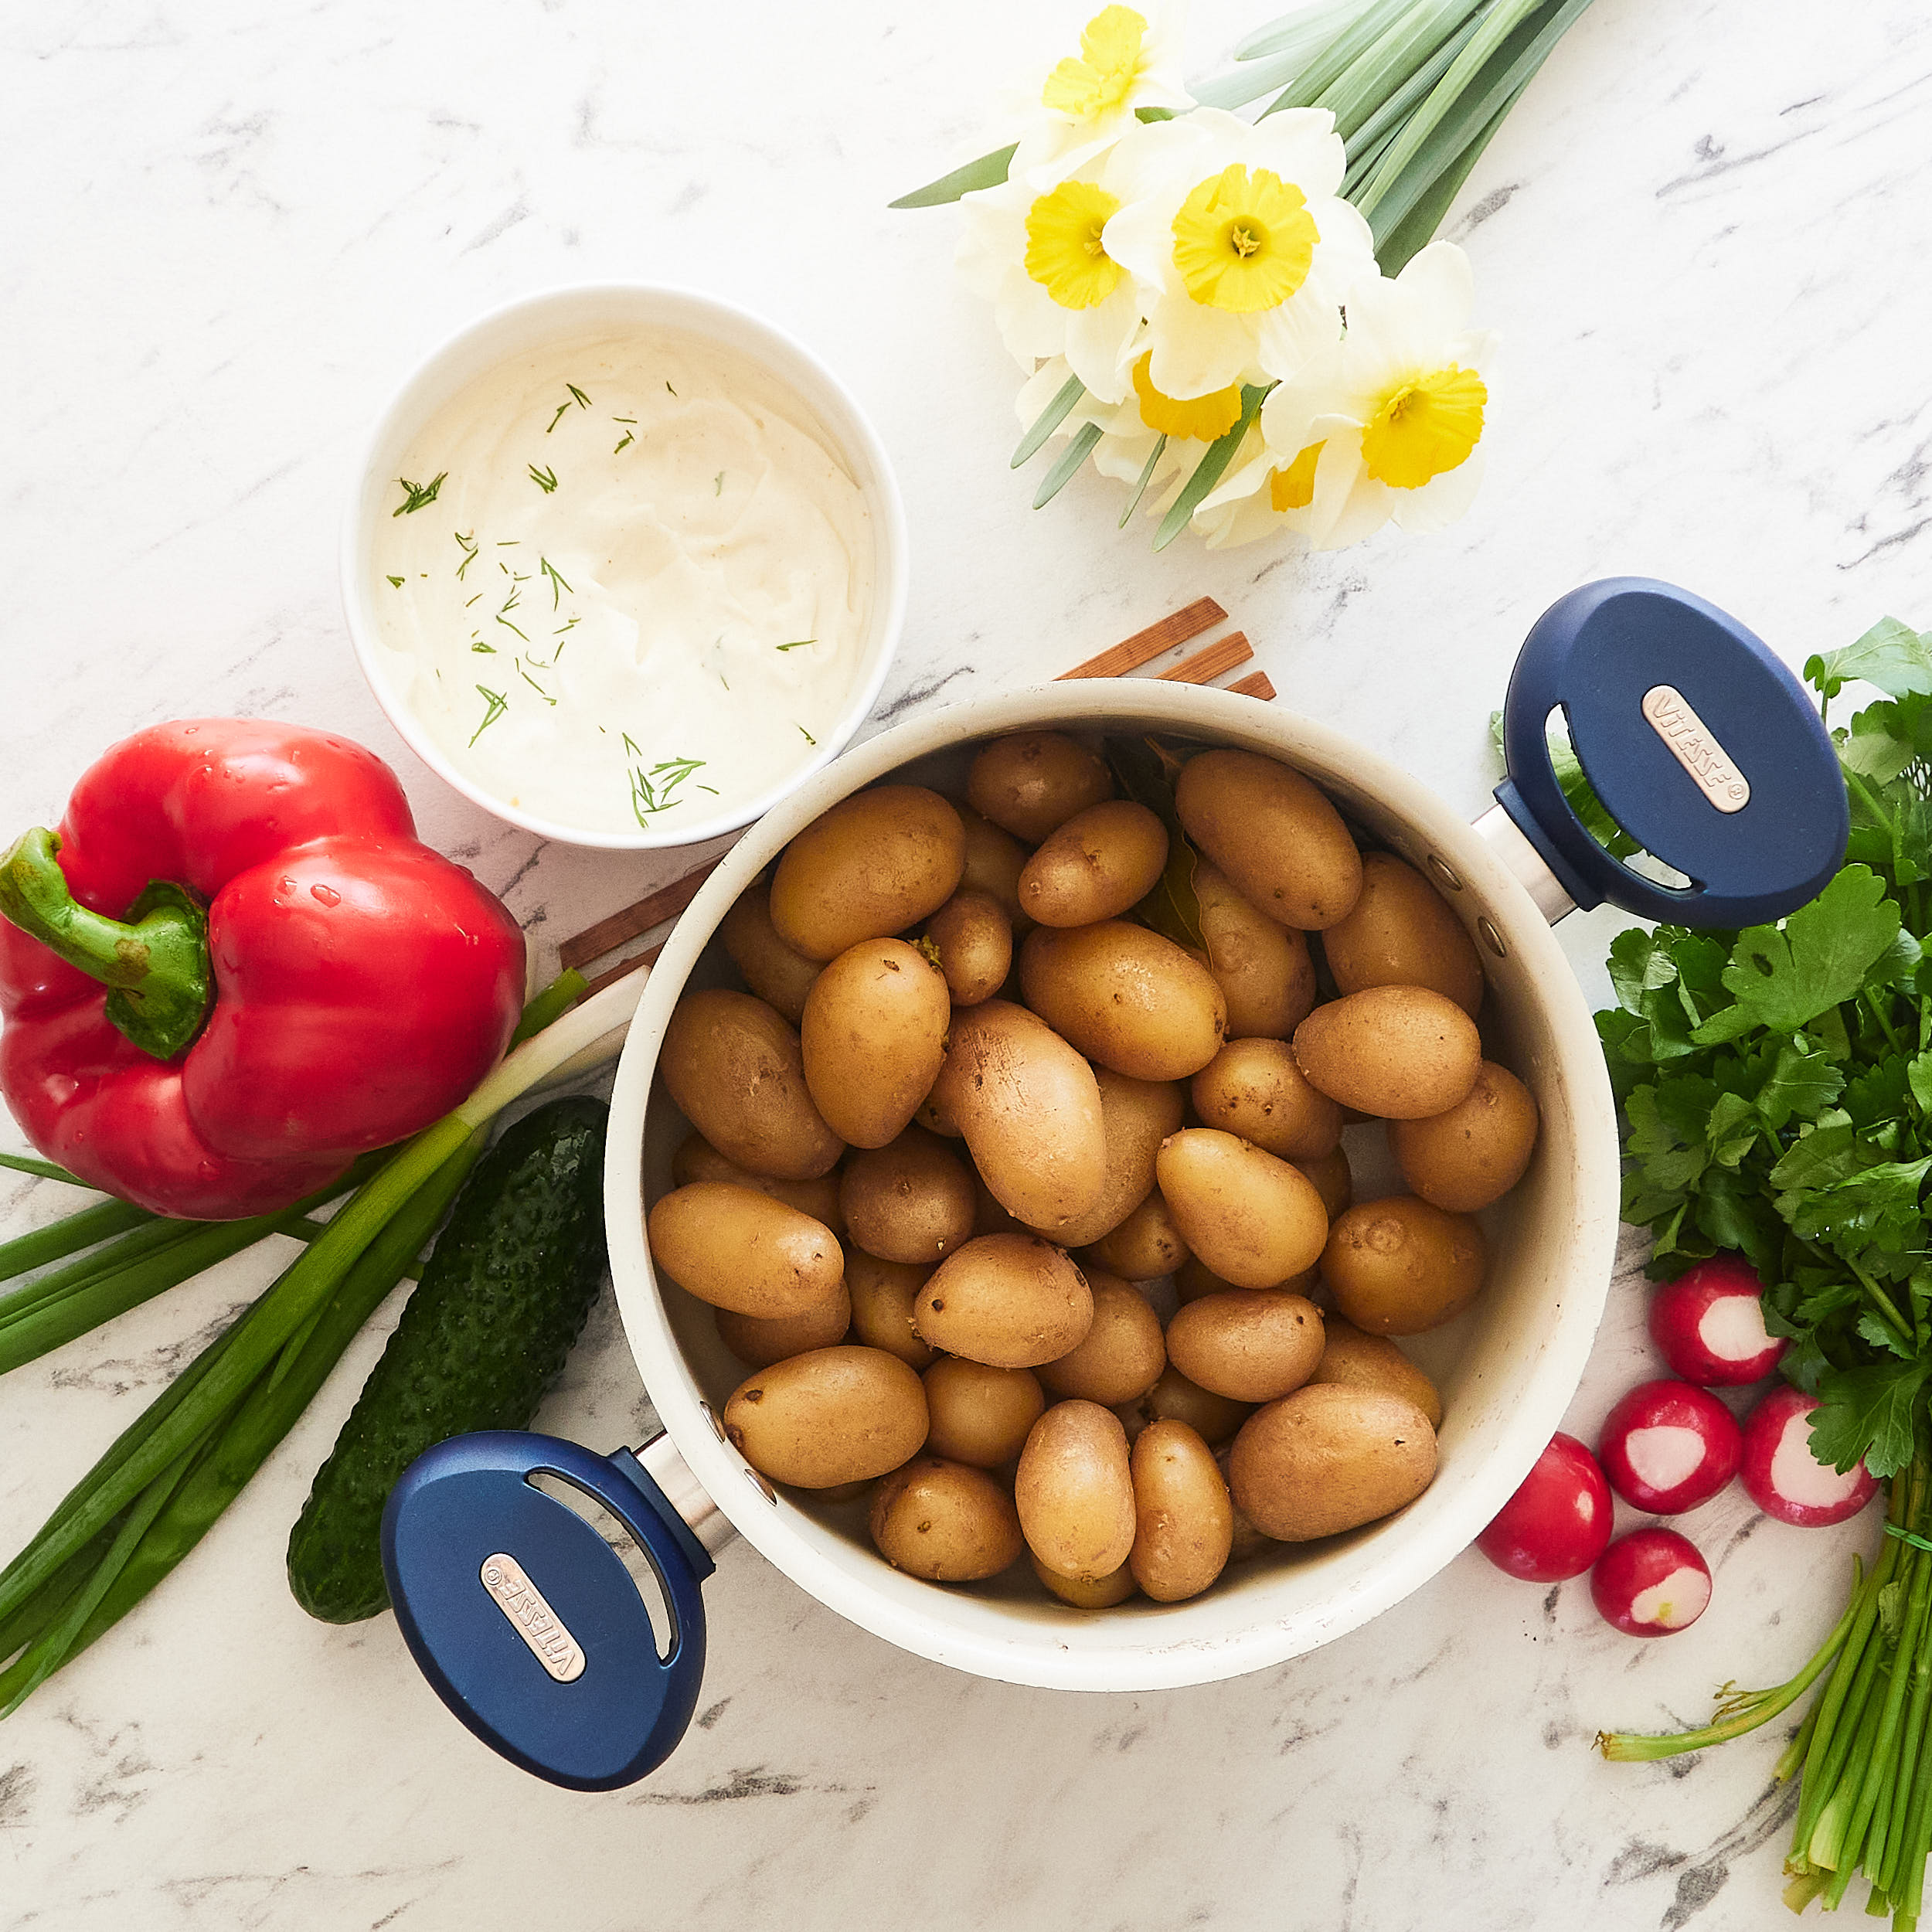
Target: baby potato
point(1273, 833)
point(1099, 1592)
point(1183, 1519)
point(1402, 1052)
point(758, 1340)
point(696, 1159)
point(1032, 783)
point(1250, 1345)
point(1174, 1398)
point(988, 1216)
point(1253, 1219)
point(1477, 1151)
point(1398, 1266)
point(779, 976)
point(1011, 1300)
point(738, 1248)
point(1246, 1541)
point(994, 860)
point(1327, 1458)
point(1146, 1245)
point(910, 1200)
point(873, 1037)
point(1332, 1181)
point(1074, 1490)
point(883, 1294)
point(1119, 1357)
point(1253, 1088)
point(870, 865)
point(1029, 1108)
point(1136, 1117)
point(944, 1521)
point(973, 938)
point(1400, 932)
point(835, 1415)
point(737, 1073)
point(1351, 1359)
point(1125, 997)
point(980, 1415)
point(1262, 969)
point(1101, 862)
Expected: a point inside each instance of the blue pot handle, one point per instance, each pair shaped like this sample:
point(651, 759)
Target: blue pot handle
point(526, 1622)
point(1699, 742)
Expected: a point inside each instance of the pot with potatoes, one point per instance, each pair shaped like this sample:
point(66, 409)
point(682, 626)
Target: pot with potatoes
point(1111, 1185)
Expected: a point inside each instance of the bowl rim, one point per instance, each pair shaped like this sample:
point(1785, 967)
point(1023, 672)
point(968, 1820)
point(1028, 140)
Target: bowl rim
point(1159, 1659)
point(853, 436)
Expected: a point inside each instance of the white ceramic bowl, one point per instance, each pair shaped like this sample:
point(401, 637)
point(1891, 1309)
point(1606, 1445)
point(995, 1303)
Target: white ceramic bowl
point(1507, 1369)
point(569, 314)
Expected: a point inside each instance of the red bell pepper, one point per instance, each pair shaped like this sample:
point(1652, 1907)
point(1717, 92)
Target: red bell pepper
point(236, 967)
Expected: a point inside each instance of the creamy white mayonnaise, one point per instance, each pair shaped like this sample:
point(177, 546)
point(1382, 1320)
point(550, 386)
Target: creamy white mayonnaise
point(638, 592)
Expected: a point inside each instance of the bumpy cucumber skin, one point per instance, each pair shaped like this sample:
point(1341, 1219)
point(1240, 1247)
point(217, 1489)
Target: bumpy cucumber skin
point(504, 1294)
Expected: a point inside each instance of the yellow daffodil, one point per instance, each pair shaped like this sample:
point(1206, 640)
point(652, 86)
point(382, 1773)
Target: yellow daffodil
point(1042, 261)
point(1065, 253)
point(1387, 424)
point(1129, 58)
point(1243, 250)
point(1204, 417)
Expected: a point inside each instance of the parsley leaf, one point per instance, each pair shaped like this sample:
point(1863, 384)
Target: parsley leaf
point(1787, 976)
point(1868, 1412)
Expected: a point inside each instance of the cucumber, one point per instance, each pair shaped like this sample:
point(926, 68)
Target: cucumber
point(505, 1293)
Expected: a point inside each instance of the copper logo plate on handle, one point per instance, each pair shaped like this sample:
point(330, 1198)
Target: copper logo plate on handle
point(1695, 746)
point(532, 1619)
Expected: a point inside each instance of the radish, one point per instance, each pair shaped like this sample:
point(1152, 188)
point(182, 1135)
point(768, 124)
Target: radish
point(1710, 1323)
point(1651, 1582)
point(1557, 1523)
point(1667, 1447)
point(1782, 1476)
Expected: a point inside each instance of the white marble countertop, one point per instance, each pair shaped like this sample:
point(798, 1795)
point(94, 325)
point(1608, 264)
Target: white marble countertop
point(231, 229)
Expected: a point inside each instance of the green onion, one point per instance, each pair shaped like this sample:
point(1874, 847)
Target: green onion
point(53, 1309)
point(79, 1230)
point(150, 1498)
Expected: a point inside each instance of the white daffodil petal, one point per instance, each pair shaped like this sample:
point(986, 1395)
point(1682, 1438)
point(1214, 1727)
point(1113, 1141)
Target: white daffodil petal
point(1300, 145)
point(1349, 503)
point(1442, 500)
point(1437, 279)
point(1197, 349)
point(1288, 415)
point(1098, 342)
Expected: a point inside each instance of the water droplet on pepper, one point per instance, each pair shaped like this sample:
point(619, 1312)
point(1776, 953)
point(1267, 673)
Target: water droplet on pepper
point(325, 895)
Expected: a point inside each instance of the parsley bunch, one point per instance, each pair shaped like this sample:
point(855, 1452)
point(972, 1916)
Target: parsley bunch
point(1776, 1083)
point(1776, 1087)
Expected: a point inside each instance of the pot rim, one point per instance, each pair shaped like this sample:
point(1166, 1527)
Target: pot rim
point(1149, 1655)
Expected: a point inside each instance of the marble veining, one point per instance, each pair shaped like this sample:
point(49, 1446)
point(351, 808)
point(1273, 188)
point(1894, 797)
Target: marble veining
point(234, 227)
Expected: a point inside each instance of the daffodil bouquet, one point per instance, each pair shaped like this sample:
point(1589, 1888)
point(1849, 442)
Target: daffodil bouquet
point(1246, 321)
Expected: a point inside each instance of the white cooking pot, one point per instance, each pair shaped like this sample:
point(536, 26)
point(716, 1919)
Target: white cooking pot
point(1701, 744)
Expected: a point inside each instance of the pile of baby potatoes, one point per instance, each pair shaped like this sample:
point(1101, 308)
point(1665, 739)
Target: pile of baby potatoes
point(974, 1116)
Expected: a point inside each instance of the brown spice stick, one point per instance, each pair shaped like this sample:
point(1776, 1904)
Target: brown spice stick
point(1203, 614)
point(653, 909)
point(634, 964)
point(1255, 685)
point(1223, 654)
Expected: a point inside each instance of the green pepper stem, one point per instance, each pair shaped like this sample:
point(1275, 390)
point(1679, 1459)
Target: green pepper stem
point(154, 963)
